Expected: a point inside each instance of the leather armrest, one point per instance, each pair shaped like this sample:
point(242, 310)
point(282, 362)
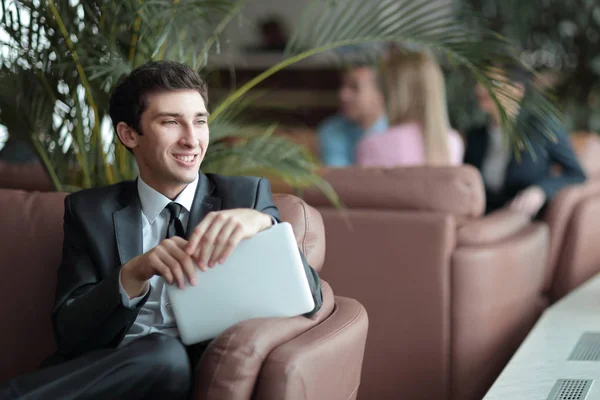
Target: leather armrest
point(580, 255)
point(496, 298)
point(491, 228)
point(559, 213)
point(322, 363)
point(231, 364)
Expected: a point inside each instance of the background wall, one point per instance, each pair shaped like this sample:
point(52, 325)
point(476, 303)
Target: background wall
point(243, 31)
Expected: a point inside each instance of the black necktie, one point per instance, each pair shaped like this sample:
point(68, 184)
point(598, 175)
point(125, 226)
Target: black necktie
point(175, 225)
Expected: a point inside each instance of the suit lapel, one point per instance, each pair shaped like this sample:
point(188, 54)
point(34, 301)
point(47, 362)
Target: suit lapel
point(128, 224)
point(203, 203)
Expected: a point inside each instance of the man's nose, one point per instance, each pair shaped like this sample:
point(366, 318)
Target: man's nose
point(189, 137)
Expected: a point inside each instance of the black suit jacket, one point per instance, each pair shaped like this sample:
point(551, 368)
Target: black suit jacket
point(103, 231)
point(533, 168)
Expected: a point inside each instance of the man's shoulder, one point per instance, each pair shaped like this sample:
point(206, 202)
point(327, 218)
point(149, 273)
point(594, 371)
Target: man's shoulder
point(238, 183)
point(94, 197)
point(333, 125)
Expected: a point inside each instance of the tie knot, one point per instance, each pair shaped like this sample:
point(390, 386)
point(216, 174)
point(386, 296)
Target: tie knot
point(174, 209)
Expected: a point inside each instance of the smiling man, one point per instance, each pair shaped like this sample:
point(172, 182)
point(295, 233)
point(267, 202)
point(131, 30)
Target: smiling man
point(116, 334)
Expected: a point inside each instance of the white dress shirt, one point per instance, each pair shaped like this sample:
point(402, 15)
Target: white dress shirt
point(156, 314)
point(495, 162)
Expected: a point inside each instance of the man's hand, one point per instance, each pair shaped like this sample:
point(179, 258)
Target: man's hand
point(219, 233)
point(529, 201)
point(168, 259)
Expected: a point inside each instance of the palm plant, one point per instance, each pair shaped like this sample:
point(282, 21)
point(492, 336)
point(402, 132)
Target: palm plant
point(61, 59)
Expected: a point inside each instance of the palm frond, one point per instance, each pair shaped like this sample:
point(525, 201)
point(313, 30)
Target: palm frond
point(269, 156)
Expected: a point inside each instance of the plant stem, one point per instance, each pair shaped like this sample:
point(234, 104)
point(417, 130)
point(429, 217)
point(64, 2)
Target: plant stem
point(134, 36)
point(47, 164)
point(88, 92)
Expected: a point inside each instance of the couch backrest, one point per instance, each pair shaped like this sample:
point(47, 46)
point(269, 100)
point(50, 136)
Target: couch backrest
point(450, 190)
point(30, 251)
point(24, 176)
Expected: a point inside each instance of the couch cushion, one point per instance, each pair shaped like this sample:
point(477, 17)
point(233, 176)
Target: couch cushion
point(453, 190)
point(30, 245)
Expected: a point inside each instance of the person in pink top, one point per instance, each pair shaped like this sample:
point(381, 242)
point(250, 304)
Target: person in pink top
point(419, 132)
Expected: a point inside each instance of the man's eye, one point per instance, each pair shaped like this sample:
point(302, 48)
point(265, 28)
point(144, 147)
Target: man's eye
point(201, 122)
point(170, 122)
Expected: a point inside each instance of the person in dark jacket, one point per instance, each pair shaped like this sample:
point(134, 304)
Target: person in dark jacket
point(525, 180)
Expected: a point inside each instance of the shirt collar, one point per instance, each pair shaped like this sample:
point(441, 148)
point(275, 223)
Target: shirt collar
point(154, 202)
point(379, 126)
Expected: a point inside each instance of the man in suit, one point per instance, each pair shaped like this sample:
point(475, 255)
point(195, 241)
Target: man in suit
point(525, 183)
point(116, 334)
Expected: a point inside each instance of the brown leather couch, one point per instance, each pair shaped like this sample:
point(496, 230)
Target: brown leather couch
point(295, 358)
point(450, 293)
point(24, 176)
point(573, 217)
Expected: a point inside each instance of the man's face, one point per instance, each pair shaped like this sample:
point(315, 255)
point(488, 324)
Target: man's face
point(360, 98)
point(508, 95)
point(174, 140)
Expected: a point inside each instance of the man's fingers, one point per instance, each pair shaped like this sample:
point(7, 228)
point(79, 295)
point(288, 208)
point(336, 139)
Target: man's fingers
point(185, 262)
point(222, 242)
point(208, 240)
point(179, 241)
point(234, 240)
point(172, 268)
point(198, 233)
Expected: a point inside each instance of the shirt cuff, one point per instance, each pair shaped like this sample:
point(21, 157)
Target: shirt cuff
point(128, 302)
point(273, 220)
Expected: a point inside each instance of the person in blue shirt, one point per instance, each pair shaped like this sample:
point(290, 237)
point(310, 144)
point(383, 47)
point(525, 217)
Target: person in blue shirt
point(362, 111)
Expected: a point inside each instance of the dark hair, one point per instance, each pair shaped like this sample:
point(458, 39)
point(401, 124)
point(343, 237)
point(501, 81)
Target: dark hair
point(516, 73)
point(128, 101)
point(373, 65)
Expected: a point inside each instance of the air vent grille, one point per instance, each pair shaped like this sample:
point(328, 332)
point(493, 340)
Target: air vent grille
point(570, 389)
point(587, 348)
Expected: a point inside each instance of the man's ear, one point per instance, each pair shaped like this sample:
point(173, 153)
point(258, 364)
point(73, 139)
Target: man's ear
point(128, 136)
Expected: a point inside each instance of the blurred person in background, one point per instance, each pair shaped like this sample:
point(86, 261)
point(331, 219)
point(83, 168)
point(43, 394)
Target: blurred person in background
point(362, 110)
point(272, 34)
point(523, 181)
point(419, 133)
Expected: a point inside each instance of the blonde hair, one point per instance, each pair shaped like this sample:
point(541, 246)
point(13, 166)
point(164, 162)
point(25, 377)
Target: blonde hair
point(414, 89)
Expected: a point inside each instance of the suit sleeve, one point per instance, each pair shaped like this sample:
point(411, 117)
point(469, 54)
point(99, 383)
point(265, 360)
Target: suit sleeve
point(560, 152)
point(264, 203)
point(88, 313)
